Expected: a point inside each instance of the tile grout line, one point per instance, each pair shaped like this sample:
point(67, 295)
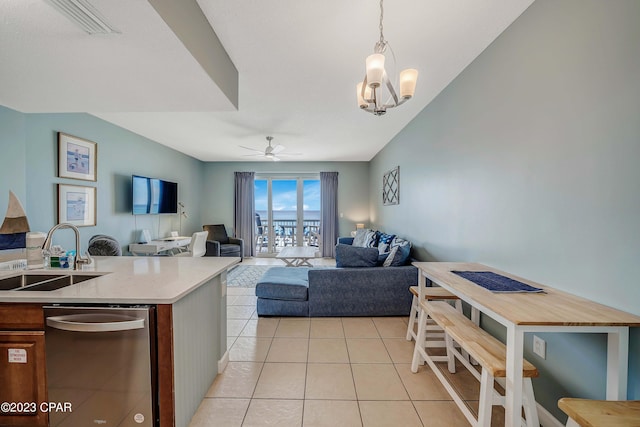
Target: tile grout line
point(251, 399)
point(353, 379)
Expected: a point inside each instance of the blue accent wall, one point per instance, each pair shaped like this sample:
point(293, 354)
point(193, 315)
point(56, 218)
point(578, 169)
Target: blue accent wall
point(28, 166)
point(528, 162)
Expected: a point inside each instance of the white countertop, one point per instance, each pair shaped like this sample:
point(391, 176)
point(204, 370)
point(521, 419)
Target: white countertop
point(128, 280)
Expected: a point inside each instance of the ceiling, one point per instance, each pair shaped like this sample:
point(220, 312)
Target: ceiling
point(298, 63)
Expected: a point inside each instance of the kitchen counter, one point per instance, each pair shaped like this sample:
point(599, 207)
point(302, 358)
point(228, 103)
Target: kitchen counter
point(127, 280)
point(190, 302)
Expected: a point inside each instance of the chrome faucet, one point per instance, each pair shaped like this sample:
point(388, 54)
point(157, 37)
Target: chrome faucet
point(78, 258)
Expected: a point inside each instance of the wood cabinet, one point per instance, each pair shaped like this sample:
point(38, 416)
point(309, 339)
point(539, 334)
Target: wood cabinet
point(21, 317)
point(22, 365)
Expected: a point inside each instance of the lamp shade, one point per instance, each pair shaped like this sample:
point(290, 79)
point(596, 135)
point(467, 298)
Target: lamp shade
point(375, 69)
point(408, 79)
point(367, 93)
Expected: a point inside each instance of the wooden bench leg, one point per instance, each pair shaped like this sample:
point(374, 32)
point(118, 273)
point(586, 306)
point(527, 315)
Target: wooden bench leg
point(485, 403)
point(415, 308)
point(420, 339)
point(529, 403)
point(458, 305)
point(451, 359)
point(475, 318)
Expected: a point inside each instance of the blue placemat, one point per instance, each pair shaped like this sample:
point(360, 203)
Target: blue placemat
point(495, 282)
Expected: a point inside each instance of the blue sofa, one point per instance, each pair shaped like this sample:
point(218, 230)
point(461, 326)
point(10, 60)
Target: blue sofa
point(325, 292)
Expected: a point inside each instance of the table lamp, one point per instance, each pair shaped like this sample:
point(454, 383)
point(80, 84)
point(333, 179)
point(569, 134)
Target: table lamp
point(358, 227)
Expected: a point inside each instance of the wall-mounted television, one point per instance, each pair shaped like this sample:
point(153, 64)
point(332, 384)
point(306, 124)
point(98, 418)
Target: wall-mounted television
point(154, 196)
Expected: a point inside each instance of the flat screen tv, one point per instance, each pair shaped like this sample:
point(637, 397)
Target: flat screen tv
point(154, 196)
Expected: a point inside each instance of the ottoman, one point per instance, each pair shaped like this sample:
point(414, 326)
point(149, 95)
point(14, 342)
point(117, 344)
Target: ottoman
point(283, 291)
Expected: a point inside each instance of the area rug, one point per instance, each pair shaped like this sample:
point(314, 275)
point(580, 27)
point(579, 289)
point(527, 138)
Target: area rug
point(246, 276)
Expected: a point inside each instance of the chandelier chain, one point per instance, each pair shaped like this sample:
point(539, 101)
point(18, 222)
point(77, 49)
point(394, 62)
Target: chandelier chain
point(381, 16)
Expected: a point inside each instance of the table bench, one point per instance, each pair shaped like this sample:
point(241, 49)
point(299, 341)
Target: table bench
point(430, 293)
point(490, 354)
point(600, 413)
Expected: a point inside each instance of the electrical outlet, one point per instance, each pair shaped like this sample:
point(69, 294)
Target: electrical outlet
point(539, 347)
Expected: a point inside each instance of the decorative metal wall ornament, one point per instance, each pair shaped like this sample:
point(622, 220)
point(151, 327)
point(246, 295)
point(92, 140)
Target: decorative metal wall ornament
point(391, 187)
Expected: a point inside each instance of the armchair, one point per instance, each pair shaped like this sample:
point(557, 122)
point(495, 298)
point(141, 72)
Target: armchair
point(220, 244)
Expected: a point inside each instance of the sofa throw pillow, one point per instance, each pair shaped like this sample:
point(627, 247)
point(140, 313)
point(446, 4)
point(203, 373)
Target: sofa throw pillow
point(398, 256)
point(387, 262)
point(397, 241)
point(365, 238)
point(348, 256)
point(372, 239)
point(360, 237)
point(382, 258)
point(384, 242)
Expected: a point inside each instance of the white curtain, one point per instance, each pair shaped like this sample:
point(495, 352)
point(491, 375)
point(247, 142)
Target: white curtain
point(329, 212)
point(243, 213)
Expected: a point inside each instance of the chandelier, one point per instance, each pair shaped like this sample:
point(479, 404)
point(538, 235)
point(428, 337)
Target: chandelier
point(376, 93)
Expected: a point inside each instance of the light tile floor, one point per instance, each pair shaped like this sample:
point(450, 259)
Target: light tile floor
point(352, 372)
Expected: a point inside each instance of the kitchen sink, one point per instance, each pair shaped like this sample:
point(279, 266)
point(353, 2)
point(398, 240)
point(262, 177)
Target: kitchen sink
point(43, 282)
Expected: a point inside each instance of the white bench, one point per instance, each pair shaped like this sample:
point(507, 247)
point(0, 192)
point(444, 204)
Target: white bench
point(429, 293)
point(588, 413)
point(484, 349)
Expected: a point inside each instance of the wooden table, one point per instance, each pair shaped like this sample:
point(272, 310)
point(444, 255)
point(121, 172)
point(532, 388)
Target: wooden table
point(297, 256)
point(552, 311)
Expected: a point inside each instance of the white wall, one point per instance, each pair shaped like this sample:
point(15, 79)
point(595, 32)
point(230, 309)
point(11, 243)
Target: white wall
point(528, 161)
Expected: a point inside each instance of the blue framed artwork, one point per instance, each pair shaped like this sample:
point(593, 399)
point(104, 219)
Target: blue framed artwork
point(77, 157)
point(77, 205)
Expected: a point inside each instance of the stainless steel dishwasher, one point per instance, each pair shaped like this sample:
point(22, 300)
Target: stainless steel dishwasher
point(99, 363)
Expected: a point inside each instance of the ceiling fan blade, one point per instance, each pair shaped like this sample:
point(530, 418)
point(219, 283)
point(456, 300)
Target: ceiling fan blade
point(275, 159)
point(251, 149)
point(253, 155)
point(278, 148)
point(289, 154)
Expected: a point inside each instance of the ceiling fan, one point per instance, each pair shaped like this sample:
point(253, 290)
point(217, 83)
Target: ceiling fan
point(270, 152)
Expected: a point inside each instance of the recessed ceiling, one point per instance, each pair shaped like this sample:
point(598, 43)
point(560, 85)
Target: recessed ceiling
point(298, 65)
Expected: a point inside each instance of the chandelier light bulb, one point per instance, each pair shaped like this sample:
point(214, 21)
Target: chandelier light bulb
point(361, 101)
point(375, 70)
point(408, 79)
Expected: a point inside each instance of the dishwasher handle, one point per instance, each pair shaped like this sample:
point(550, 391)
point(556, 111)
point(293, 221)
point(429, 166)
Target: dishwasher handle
point(95, 322)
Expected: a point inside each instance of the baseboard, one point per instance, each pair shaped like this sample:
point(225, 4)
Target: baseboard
point(223, 362)
point(546, 418)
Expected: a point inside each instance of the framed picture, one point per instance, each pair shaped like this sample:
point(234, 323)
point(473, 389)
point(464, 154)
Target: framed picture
point(77, 205)
point(77, 157)
point(391, 187)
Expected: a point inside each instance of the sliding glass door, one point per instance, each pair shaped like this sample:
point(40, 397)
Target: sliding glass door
point(287, 212)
